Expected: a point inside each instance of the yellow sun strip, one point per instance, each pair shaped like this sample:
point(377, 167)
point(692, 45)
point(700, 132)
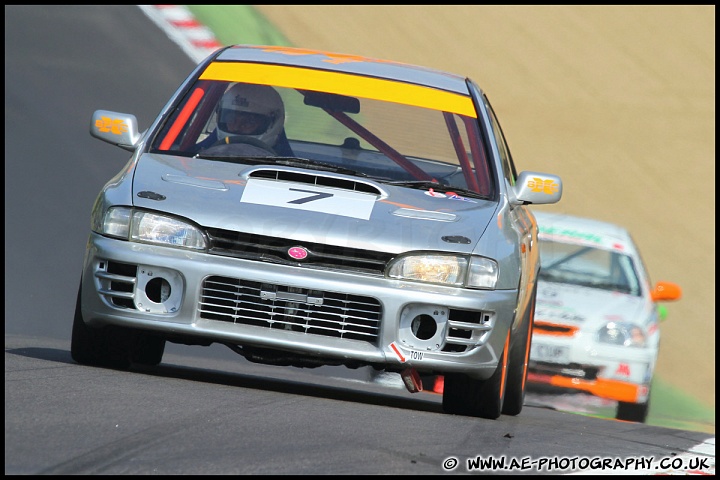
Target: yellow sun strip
point(342, 84)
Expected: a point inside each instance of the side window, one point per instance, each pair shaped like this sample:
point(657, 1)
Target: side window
point(507, 162)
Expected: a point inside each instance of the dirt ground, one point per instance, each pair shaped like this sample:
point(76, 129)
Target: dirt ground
point(617, 100)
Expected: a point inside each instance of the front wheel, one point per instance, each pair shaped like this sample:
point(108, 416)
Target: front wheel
point(518, 362)
point(633, 412)
point(463, 395)
point(110, 346)
point(147, 349)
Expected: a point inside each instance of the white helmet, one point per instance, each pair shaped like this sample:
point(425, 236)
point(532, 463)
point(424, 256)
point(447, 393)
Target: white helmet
point(250, 110)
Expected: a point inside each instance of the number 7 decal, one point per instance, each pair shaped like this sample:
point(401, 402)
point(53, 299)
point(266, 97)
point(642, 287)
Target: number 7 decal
point(290, 195)
point(315, 196)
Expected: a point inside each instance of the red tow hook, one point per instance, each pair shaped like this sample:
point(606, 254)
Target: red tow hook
point(411, 379)
point(439, 386)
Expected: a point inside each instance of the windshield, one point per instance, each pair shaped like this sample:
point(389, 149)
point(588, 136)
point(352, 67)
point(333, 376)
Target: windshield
point(387, 141)
point(588, 266)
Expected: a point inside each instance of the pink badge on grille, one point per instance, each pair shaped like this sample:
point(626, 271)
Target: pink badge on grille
point(298, 253)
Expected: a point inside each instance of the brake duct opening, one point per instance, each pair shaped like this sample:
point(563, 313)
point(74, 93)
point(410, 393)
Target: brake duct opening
point(423, 327)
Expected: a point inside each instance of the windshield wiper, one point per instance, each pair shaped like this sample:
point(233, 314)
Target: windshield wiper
point(287, 161)
point(315, 165)
point(556, 277)
point(613, 287)
point(435, 186)
point(253, 160)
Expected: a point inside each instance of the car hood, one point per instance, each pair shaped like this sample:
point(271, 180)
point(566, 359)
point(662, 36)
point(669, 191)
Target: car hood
point(586, 307)
point(309, 205)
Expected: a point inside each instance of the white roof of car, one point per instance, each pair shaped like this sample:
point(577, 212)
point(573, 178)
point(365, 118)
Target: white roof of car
point(584, 231)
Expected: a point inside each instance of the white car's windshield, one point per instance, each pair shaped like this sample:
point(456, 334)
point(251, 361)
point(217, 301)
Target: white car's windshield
point(587, 266)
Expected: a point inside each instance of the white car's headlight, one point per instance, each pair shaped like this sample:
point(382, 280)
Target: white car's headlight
point(623, 334)
point(455, 270)
point(146, 227)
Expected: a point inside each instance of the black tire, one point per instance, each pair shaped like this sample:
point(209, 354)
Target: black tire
point(148, 349)
point(463, 395)
point(518, 362)
point(110, 346)
point(632, 412)
point(103, 347)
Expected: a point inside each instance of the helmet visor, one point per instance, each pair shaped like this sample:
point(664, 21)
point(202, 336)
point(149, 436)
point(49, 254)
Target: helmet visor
point(243, 123)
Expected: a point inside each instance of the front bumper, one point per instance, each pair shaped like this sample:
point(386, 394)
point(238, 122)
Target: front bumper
point(617, 373)
point(330, 316)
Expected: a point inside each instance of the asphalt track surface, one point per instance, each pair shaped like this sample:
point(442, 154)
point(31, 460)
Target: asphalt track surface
point(203, 410)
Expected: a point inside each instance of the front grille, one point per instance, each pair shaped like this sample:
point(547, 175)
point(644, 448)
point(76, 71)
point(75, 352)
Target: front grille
point(573, 370)
point(313, 312)
point(275, 250)
point(556, 329)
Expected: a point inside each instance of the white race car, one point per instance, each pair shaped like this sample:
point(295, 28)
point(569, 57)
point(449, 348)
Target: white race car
point(596, 319)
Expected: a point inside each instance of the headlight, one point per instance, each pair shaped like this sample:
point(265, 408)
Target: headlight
point(162, 230)
point(483, 273)
point(623, 334)
point(452, 270)
point(117, 222)
point(146, 227)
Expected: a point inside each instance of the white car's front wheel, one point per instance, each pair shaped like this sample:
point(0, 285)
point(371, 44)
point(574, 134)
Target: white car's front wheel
point(632, 412)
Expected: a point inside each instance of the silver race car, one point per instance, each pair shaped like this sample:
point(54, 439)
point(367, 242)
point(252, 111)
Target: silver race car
point(597, 318)
point(307, 208)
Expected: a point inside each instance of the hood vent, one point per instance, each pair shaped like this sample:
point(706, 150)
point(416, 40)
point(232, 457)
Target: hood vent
point(321, 180)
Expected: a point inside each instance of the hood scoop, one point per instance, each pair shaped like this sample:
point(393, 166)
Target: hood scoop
point(313, 179)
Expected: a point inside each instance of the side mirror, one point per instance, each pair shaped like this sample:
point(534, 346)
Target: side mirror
point(666, 292)
point(536, 188)
point(120, 129)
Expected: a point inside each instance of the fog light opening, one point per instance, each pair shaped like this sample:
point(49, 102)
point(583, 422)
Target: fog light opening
point(423, 327)
point(157, 290)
